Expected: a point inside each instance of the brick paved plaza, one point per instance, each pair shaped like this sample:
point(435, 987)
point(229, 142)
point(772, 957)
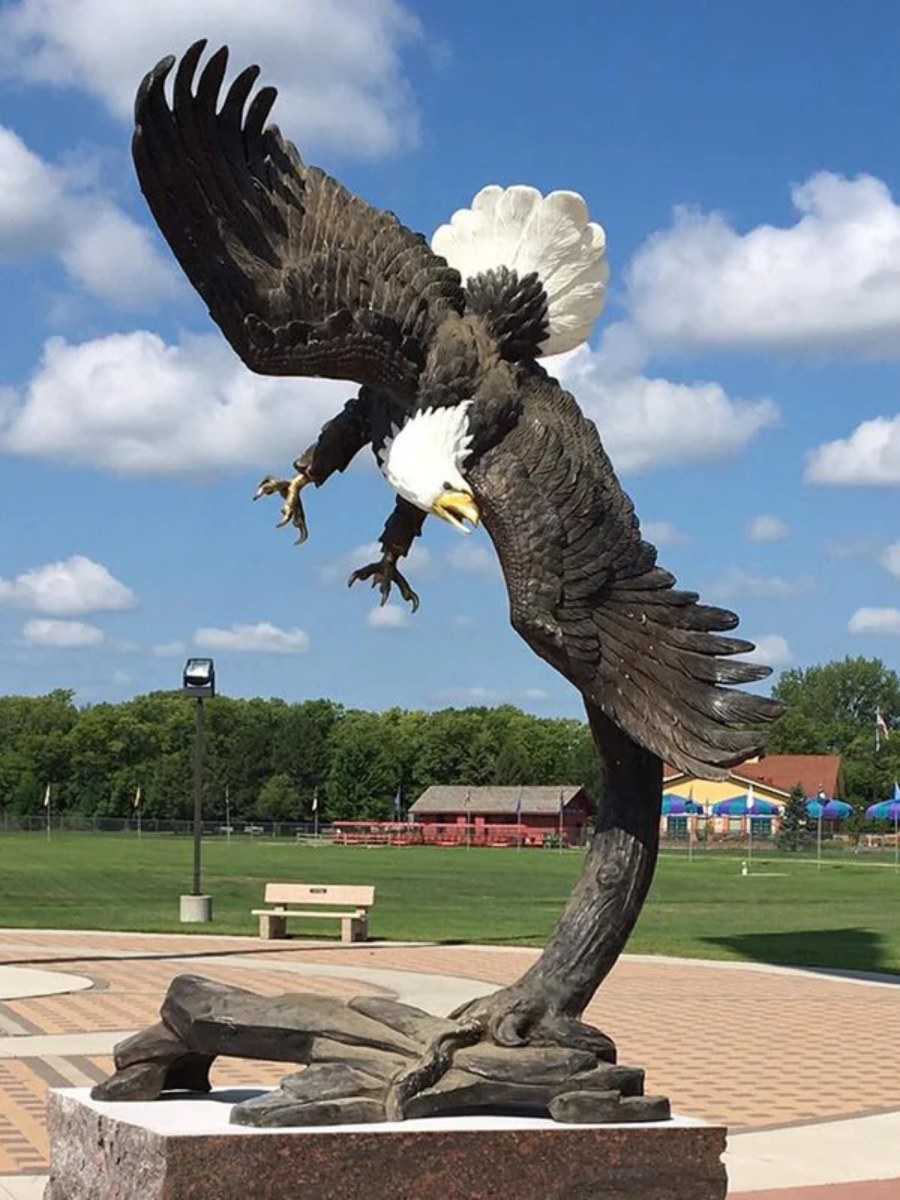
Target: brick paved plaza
point(756, 1048)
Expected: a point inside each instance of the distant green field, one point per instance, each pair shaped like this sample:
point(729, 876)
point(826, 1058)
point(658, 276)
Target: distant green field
point(846, 915)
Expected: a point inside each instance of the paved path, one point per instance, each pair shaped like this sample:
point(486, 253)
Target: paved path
point(759, 1049)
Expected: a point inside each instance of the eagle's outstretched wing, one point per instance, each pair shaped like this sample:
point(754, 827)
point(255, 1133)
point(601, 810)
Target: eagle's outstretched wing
point(586, 593)
point(302, 277)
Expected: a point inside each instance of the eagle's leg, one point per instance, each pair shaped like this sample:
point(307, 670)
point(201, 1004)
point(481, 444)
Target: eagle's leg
point(401, 529)
point(545, 1005)
point(338, 443)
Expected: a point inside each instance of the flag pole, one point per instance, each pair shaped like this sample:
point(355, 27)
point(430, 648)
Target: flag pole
point(519, 819)
point(49, 808)
point(750, 829)
point(315, 808)
point(561, 820)
point(227, 814)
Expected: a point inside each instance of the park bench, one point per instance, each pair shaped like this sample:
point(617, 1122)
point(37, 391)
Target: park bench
point(324, 898)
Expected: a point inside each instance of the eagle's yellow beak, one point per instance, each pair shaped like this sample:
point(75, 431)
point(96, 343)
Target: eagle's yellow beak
point(457, 507)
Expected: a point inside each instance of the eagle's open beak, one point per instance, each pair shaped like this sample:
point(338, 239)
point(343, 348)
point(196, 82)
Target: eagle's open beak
point(457, 507)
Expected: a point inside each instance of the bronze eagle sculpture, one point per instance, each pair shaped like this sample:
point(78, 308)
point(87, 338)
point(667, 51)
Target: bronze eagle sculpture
point(304, 278)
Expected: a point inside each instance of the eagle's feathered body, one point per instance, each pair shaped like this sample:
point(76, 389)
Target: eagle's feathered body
point(304, 278)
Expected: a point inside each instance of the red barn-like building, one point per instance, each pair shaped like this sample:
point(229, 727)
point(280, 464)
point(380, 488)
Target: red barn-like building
point(496, 816)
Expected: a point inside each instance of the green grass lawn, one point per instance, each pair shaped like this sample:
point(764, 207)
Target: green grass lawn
point(846, 915)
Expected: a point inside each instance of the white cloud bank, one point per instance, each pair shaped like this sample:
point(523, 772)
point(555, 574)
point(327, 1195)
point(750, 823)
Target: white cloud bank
point(829, 283)
point(72, 588)
point(875, 620)
point(132, 404)
point(62, 635)
point(869, 456)
point(738, 582)
point(663, 533)
point(766, 528)
point(337, 64)
point(261, 638)
point(772, 650)
point(388, 616)
point(646, 423)
point(46, 210)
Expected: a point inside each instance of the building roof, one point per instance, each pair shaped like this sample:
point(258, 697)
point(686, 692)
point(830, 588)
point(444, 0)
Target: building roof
point(784, 771)
point(485, 800)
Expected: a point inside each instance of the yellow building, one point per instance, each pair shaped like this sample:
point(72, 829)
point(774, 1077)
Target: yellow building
point(771, 780)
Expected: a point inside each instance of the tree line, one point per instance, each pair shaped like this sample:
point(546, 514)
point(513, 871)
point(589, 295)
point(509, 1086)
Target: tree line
point(274, 757)
point(271, 756)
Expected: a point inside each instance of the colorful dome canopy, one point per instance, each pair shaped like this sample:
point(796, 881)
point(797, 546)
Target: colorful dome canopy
point(887, 810)
point(745, 806)
point(826, 809)
point(678, 806)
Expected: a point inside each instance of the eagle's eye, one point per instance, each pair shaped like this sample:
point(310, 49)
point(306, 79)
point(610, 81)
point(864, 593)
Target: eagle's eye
point(448, 487)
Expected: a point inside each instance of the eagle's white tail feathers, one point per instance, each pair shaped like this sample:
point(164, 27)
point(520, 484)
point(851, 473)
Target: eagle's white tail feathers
point(517, 227)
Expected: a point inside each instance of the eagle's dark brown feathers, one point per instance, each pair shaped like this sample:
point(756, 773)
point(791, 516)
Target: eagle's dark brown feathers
point(302, 277)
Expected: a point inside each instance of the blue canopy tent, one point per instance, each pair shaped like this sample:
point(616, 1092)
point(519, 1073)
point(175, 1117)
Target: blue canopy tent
point(678, 806)
point(889, 810)
point(745, 806)
point(825, 808)
point(677, 810)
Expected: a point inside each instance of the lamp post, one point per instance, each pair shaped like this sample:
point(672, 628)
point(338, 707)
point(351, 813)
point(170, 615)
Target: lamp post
point(198, 684)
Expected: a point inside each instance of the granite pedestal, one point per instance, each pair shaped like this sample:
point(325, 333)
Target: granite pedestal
point(185, 1149)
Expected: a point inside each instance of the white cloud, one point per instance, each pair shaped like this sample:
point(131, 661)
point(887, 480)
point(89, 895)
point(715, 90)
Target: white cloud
point(463, 622)
point(869, 456)
point(337, 65)
point(261, 638)
point(45, 209)
point(860, 547)
point(890, 559)
point(738, 582)
point(767, 529)
point(535, 695)
point(663, 533)
point(476, 695)
point(132, 404)
point(388, 616)
point(64, 635)
point(829, 283)
point(875, 620)
point(646, 423)
point(169, 649)
point(337, 570)
point(476, 558)
point(71, 588)
point(772, 650)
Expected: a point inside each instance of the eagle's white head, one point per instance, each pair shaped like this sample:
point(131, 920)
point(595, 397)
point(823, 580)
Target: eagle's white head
point(423, 462)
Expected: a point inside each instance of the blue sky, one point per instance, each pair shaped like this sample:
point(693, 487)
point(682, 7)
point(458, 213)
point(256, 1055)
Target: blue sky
point(742, 159)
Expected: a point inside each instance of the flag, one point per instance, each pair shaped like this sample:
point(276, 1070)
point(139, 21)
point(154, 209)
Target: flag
point(882, 729)
point(398, 803)
point(315, 800)
point(47, 796)
point(896, 790)
point(562, 801)
point(137, 796)
point(518, 808)
point(750, 798)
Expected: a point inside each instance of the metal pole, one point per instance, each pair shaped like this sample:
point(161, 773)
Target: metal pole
point(198, 794)
point(749, 842)
point(49, 810)
point(819, 842)
point(896, 848)
point(227, 814)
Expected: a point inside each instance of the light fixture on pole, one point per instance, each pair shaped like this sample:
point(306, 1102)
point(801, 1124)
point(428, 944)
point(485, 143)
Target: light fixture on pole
point(198, 684)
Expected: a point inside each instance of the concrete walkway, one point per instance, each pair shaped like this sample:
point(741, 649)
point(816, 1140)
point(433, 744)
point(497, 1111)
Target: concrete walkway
point(807, 1114)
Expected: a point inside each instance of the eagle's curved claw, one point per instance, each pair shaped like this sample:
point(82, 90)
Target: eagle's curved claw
point(384, 574)
point(289, 489)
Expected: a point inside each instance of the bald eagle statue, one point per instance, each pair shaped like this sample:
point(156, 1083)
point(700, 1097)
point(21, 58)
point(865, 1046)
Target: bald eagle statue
point(304, 278)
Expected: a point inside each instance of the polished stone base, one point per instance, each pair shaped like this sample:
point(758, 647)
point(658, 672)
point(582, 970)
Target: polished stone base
point(185, 1149)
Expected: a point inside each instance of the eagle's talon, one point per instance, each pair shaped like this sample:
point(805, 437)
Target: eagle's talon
point(292, 507)
point(384, 575)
